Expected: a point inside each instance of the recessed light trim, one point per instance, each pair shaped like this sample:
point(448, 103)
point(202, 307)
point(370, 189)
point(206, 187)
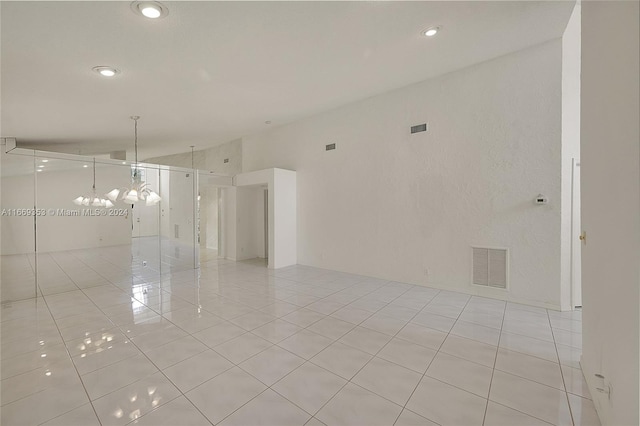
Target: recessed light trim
point(431, 31)
point(150, 9)
point(106, 71)
point(45, 161)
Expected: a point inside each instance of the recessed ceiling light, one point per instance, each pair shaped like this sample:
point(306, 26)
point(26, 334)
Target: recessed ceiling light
point(40, 166)
point(45, 161)
point(150, 9)
point(85, 166)
point(124, 162)
point(39, 170)
point(106, 71)
point(430, 32)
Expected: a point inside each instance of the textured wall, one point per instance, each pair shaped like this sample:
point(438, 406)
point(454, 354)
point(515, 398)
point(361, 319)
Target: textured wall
point(408, 207)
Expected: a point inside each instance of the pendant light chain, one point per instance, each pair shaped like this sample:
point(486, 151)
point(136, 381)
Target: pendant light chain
point(135, 133)
point(138, 191)
point(93, 199)
point(135, 119)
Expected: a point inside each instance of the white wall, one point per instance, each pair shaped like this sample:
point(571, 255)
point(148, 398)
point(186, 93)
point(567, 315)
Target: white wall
point(283, 215)
point(570, 144)
point(392, 205)
point(209, 218)
point(228, 220)
point(611, 206)
point(259, 221)
point(249, 222)
point(57, 190)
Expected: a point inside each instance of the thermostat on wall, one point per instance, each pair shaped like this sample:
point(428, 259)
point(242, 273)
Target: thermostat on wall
point(541, 199)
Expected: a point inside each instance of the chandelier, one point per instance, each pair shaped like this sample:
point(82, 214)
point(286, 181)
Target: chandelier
point(138, 190)
point(93, 200)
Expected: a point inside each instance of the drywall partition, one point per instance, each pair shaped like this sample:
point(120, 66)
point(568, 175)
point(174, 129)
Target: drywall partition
point(570, 150)
point(284, 236)
point(610, 169)
point(409, 207)
point(250, 222)
point(228, 220)
point(282, 217)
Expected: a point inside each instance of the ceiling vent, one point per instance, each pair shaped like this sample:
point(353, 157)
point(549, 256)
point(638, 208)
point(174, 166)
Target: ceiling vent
point(490, 267)
point(419, 128)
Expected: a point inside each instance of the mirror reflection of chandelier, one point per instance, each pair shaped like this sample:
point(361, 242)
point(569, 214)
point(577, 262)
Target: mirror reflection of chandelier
point(138, 190)
point(93, 200)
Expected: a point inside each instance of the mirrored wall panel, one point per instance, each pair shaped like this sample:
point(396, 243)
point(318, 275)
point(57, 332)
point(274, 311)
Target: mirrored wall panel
point(73, 223)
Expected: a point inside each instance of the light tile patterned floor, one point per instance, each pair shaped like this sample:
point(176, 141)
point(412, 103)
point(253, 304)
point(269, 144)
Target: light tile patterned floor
point(237, 344)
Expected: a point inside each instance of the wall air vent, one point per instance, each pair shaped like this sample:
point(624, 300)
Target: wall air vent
point(490, 267)
point(419, 128)
point(226, 160)
point(330, 147)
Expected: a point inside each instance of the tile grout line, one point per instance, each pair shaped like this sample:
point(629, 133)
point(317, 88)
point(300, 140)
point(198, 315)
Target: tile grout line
point(250, 289)
point(210, 348)
point(141, 351)
point(356, 373)
point(566, 394)
point(76, 370)
point(434, 357)
point(309, 360)
point(305, 361)
point(495, 361)
point(238, 365)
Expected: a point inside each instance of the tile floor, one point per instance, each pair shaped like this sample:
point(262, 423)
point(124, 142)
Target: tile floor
point(237, 344)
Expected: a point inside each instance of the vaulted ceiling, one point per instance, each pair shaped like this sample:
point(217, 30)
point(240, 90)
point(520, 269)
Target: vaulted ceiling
point(211, 72)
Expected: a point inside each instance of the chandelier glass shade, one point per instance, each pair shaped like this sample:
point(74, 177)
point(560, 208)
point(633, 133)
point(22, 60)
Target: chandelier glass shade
point(138, 191)
point(92, 200)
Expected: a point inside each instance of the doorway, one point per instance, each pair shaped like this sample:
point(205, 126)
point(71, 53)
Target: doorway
point(576, 244)
point(266, 224)
point(208, 221)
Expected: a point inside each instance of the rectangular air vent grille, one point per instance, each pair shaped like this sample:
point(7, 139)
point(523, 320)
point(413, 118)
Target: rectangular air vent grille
point(490, 267)
point(419, 128)
point(330, 147)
